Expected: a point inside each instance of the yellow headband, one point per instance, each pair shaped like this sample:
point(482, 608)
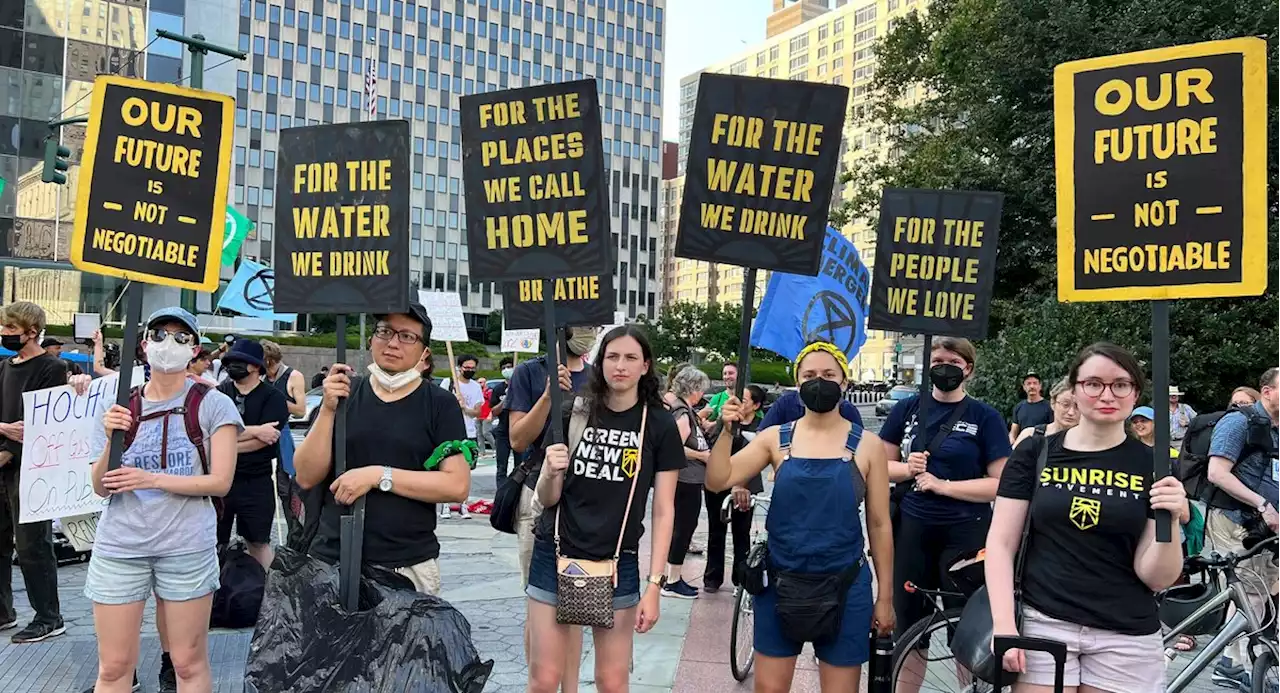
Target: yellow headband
point(827, 347)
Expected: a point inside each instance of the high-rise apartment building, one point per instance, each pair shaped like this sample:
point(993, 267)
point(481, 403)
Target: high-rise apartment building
point(308, 63)
point(837, 47)
point(788, 14)
point(50, 53)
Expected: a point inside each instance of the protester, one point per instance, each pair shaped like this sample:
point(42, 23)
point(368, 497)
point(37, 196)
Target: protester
point(317, 380)
point(951, 476)
point(404, 439)
point(1141, 422)
point(740, 514)
point(1180, 416)
point(158, 532)
point(484, 436)
point(31, 368)
point(815, 529)
point(498, 411)
point(529, 409)
point(290, 383)
point(688, 387)
point(52, 347)
point(201, 364)
point(595, 496)
point(711, 412)
point(789, 407)
point(1032, 411)
point(1065, 414)
point(1093, 512)
point(251, 502)
point(1244, 396)
point(1242, 501)
point(470, 395)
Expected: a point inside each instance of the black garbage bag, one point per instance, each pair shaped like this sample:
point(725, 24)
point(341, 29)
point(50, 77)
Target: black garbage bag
point(400, 641)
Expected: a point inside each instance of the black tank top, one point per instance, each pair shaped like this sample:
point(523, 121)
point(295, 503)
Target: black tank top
point(282, 384)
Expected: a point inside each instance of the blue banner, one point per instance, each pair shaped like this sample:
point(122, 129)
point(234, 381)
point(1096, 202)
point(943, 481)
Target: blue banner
point(832, 306)
point(252, 293)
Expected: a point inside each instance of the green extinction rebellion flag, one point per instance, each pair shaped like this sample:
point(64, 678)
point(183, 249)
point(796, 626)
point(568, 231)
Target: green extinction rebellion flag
point(238, 227)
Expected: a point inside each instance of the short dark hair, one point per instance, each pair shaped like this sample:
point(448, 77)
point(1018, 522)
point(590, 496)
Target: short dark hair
point(1119, 355)
point(505, 361)
point(1269, 378)
point(757, 394)
point(463, 358)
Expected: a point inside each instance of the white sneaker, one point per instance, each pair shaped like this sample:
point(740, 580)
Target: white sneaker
point(444, 512)
point(464, 514)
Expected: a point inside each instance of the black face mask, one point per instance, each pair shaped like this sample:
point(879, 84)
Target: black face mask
point(946, 376)
point(468, 374)
point(237, 371)
point(12, 342)
point(820, 395)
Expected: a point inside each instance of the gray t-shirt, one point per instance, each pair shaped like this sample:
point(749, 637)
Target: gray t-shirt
point(153, 523)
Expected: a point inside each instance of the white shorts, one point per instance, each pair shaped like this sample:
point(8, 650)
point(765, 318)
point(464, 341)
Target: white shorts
point(1103, 659)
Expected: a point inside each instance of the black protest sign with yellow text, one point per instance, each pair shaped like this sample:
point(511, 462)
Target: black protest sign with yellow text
point(1161, 173)
point(586, 300)
point(763, 155)
point(342, 218)
point(935, 262)
point(152, 197)
point(533, 165)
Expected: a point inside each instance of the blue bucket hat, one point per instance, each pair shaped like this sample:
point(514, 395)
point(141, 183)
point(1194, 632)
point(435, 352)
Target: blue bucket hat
point(175, 314)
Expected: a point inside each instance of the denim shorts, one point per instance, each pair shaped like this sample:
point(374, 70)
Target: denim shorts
point(851, 647)
point(542, 577)
point(173, 578)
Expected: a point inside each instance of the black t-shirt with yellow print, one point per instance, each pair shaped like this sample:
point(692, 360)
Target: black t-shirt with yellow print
point(599, 478)
point(1087, 518)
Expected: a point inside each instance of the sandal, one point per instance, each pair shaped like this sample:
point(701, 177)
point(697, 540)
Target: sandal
point(1185, 643)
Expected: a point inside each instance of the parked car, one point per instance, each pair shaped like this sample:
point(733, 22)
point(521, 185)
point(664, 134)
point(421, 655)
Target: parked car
point(313, 398)
point(892, 397)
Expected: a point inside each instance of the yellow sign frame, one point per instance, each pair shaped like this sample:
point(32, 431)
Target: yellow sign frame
point(213, 264)
point(1253, 256)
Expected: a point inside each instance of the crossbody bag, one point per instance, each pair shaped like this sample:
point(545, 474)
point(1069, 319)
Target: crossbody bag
point(971, 643)
point(584, 588)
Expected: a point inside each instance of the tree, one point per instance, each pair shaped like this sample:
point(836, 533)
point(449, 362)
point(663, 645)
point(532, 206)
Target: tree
point(987, 124)
point(685, 326)
point(493, 328)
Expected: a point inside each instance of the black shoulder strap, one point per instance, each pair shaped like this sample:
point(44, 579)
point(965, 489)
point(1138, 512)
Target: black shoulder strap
point(1042, 461)
point(943, 431)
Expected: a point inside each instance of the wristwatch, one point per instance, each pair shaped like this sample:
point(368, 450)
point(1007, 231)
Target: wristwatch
point(659, 580)
point(385, 484)
point(1263, 508)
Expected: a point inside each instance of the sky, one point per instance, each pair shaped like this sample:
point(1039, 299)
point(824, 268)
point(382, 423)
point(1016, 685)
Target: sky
point(700, 33)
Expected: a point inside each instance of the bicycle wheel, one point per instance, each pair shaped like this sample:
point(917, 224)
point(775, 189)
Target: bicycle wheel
point(742, 636)
point(932, 669)
point(1265, 677)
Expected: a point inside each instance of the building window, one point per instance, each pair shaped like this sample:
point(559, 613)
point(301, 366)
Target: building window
point(799, 43)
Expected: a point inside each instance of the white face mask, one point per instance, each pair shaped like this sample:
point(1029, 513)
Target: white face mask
point(168, 356)
point(393, 381)
point(506, 373)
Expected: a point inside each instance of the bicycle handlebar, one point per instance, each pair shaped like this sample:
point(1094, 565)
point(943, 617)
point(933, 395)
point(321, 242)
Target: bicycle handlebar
point(1216, 560)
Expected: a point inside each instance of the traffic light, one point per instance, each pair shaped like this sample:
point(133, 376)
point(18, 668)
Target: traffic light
point(55, 162)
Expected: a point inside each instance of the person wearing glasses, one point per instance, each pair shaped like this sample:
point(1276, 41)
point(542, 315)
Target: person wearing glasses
point(396, 423)
point(159, 529)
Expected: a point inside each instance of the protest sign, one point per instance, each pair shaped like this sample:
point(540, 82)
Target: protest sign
point(81, 530)
point(1161, 173)
point(935, 262)
point(832, 306)
point(62, 434)
point(581, 300)
point(445, 310)
point(533, 165)
point(342, 218)
point(251, 292)
point(150, 203)
point(520, 341)
point(763, 155)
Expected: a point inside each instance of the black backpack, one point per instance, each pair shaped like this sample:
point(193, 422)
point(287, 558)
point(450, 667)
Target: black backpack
point(238, 599)
point(1192, 467)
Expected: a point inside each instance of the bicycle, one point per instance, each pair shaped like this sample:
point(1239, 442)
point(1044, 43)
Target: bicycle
point(953, 678)
point(742, 638)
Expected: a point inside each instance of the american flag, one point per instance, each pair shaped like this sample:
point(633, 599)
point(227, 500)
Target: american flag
point(371, 90)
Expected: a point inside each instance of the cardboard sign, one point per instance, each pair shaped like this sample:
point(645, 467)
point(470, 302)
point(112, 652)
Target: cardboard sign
point(1161, 172)
point(935, 262)
point(445, 310)
point(81, 531)
point(150, 206)
point(763, 156)
point(342, 218)
point(62, 438)
point(580, 301)
point(533, 165)
point(520, 341)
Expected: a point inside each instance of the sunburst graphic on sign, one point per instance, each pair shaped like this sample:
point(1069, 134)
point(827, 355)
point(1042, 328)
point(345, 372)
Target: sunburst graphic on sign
point(1084, 512)
point(630, 461)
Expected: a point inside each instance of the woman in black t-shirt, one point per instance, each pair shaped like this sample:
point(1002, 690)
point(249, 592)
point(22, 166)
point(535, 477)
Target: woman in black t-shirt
point(1092, 524)
point(628, 439)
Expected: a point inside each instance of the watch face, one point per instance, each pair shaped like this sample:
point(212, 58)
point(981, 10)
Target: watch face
point(384, 485)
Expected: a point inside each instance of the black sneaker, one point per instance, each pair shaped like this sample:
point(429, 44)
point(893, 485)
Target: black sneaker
point(37, 632)
point(6, 625)
point(680, 590)
point(1230, 675)
point(710, 587)
point(168, 677)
